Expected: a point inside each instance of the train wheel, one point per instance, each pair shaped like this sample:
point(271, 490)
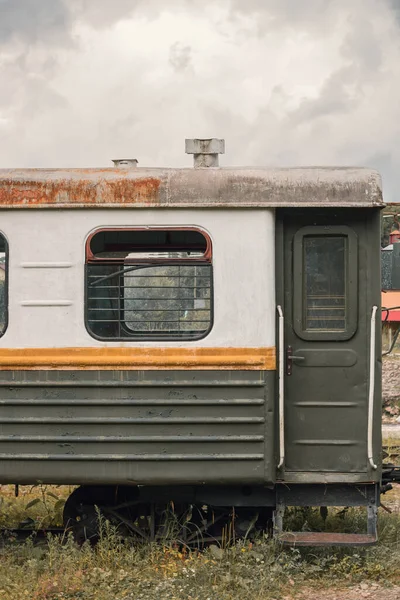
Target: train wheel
point(224, 525)
point(87, 504)
point(164, 523)
point(80, 516)
point(151, 521)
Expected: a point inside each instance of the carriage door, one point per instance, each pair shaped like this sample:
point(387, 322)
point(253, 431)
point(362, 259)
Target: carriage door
point(325, 347)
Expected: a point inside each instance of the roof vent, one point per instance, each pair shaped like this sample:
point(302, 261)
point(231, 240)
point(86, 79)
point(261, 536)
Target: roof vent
point(125, 163)
point(205, 151)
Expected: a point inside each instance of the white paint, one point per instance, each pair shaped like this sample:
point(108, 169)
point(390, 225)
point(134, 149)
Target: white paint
point(371, 389)
point(281, 388)
point(46, 305)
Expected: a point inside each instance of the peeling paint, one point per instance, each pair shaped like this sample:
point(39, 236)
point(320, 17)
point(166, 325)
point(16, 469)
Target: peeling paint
point(115, 358)
point(143, 191)
point(68, 191)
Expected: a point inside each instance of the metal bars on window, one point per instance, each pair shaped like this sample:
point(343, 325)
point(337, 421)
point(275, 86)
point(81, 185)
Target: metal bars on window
point(149, 283)
point(325, 280)
point(172, 301)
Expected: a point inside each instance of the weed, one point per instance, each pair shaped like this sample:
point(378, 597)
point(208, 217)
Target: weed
point(116, 569)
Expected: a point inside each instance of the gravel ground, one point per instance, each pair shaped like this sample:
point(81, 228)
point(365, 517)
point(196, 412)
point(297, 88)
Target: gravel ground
point(364, 590)
point(391, 379)
point(391, 430)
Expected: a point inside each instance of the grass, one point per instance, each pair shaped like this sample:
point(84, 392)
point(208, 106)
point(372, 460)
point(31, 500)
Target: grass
point(37, 507)
point(116, 570)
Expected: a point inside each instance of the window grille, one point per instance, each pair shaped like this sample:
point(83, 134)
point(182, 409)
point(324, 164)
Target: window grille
point(150, 294)
point(325, 283)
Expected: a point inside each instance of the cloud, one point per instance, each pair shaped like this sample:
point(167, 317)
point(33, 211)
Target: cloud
point(103, 14)
point(180, 57)
point(288, 82)
point(34, 20)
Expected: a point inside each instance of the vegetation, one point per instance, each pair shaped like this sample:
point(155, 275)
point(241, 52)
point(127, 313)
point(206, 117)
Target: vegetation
point(390, 221)
point(36, 507)
point(116, 570)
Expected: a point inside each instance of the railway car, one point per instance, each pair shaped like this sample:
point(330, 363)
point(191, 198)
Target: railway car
point(201, 341)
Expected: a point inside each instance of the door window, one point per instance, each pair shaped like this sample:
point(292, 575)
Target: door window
point(325, 283)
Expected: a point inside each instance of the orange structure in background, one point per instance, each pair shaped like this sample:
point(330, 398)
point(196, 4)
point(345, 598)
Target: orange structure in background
point(391, 299)
point(394, 236)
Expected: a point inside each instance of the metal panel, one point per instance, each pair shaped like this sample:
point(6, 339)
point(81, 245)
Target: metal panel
point(396, 267)
point(243, 246)
point(387, 262)
point(241, 187)
point(326, 394)
point(327, 495)
point(136, 427)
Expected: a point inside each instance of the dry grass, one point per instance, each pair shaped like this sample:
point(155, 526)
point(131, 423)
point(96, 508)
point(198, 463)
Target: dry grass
point(116, 570)
point(38, 506)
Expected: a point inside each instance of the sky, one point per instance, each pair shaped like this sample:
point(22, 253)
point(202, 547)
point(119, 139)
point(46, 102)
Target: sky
point(285, 82)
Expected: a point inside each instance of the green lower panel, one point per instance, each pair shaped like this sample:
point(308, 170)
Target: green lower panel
point(147, 427)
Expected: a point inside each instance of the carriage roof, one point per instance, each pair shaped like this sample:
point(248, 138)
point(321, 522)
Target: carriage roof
point(193, 188)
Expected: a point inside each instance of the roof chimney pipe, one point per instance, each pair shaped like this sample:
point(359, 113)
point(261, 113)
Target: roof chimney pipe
point(205, 151)
point(125, 163)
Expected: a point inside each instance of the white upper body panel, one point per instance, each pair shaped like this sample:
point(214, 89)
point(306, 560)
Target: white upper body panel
point(47, 281)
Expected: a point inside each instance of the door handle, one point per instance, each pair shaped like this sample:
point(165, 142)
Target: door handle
point(291, 358)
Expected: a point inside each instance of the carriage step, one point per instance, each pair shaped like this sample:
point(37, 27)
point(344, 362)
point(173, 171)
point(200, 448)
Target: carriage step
point(326, 539)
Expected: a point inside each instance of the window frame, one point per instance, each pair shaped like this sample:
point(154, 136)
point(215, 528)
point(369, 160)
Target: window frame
point(6, 271)
point(205, 260)
point(351, 282)
point(91, 258)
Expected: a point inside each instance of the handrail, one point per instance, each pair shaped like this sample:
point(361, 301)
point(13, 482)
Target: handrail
point(281, 387)
point(371, 390)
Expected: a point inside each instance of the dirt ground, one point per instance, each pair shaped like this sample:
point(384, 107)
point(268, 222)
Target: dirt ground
point(371, 590)
point(365, 590)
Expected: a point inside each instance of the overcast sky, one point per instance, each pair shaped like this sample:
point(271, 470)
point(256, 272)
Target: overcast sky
point(285, 82)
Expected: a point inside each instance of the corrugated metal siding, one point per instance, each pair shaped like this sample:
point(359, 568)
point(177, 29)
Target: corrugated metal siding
point(136, 426)
point(386, 266)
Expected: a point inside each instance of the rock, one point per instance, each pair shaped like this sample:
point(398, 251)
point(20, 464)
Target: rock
point(216, 552)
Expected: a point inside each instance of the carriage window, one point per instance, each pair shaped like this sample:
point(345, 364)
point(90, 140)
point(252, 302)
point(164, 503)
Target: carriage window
point(149, 284)
point(325, 291)
point(3, 284)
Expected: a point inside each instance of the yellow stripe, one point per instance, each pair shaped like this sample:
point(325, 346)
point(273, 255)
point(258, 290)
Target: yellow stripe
point(138, 358)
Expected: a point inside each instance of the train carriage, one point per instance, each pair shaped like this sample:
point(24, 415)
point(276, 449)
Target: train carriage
point(204, 336)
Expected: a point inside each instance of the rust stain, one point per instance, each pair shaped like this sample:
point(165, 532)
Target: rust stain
point(138, 358)
point(34, 193)
point(326, 539)
point(144, 191)
point(83, 192)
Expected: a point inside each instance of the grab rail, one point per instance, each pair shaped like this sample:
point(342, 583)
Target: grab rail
point(371, 390)
point(281, 388)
